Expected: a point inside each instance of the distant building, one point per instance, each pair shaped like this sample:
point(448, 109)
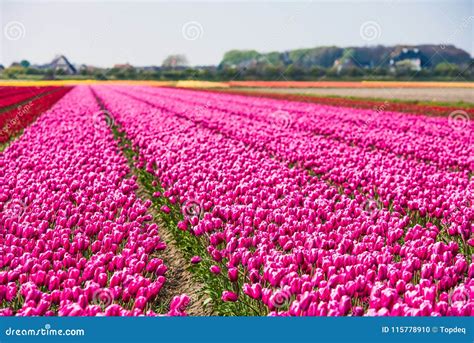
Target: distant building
point(344, 63)
point(148, 68)
point(285, 58)
point(87, 68)
point(247, 64)
point(411, 59)
point(59, 64)
point(206, 67)
point(123, 66)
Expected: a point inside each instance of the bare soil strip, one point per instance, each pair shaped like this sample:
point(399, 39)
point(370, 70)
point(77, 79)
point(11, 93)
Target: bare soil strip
point(179, 280)
point(420, 94)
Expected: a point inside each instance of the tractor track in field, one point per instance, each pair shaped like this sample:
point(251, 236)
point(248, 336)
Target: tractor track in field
point(179, 280)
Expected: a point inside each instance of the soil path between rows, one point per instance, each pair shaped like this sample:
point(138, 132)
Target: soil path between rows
point(179, 278)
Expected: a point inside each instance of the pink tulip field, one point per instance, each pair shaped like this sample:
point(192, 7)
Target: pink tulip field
point(277, 207)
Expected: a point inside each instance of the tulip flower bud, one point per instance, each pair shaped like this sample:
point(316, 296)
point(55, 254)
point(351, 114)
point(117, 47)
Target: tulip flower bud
point(195, 259)
point(215, 269)
point(165, 209)
point(233, 274)
point(229, 296)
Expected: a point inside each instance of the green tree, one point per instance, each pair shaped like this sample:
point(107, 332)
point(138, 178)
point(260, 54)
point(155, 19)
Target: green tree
point(25, 63)
point(173, 61)
point(33, 71)
point(317, 72)
point(295, 73)
point(13, 71)
point(446, 69)
point(236, 57)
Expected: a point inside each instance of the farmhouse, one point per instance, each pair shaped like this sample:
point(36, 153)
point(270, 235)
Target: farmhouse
point(60, 64)
point(125, 66)
point(344, 63)
point(411, 59)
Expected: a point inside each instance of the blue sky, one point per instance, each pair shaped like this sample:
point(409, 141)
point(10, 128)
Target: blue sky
point(104, 33)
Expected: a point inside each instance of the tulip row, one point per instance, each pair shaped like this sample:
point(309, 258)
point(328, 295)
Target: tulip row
point(20, 94)
point(378, 105)
point(418, 189)
point(16, 119)
point(435, 139)
point(75, 239)
point(278, 235)
point(8, 91)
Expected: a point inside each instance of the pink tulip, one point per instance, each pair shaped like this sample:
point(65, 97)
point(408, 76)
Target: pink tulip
point(229, 296)
point(233, 274)
point(215, 269)
point(195, 259)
